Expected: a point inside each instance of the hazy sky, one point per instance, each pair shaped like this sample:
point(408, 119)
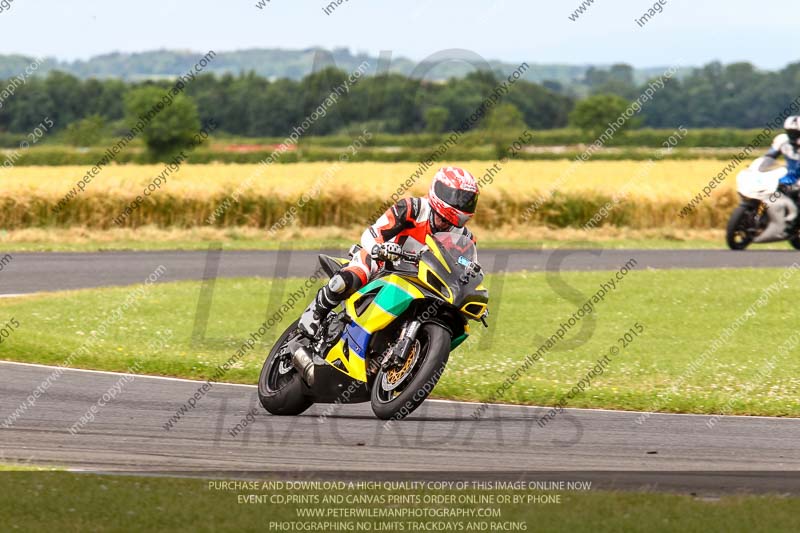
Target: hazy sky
point(686, 32)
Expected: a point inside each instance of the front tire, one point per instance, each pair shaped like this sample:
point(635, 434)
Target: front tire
point(280, 387)
point(433, 343)
point(741, 225)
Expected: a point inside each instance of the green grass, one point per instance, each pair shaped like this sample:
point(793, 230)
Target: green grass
point(78, 502)
point(77, 239)
point(682, 313)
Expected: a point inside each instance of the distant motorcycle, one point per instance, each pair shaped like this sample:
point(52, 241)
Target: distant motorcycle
point(391, 341)
point(764, 212)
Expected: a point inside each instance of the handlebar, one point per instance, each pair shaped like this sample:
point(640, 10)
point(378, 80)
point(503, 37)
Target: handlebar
point(412, 257)
point(473, 268)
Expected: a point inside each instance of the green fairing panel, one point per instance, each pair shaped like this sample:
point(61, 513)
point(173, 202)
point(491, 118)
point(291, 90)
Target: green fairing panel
point(390, 298)
point(457, 341)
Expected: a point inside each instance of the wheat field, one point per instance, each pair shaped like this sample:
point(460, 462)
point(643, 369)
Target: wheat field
point(643, 194)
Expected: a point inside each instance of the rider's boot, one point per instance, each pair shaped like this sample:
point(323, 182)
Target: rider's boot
point(326, 299)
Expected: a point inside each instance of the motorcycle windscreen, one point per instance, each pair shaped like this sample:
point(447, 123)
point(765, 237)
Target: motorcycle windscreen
point(457, 246)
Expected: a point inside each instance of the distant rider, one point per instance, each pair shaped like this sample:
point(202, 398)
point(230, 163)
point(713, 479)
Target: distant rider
point(449, 205)
point(786, 145)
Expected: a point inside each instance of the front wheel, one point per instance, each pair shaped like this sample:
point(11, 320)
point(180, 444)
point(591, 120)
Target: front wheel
point(741, 227)
point(397, 392)
point(280, 387)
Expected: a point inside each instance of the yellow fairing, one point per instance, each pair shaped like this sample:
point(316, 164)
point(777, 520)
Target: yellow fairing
point(355, 367)
point(474, 310)
point(374, 319)
point(442, 290)
point(434, 248)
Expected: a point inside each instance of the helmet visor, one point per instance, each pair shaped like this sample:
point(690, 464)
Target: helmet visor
point(465, 201)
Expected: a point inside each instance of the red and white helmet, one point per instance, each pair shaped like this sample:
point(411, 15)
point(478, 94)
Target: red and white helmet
point(454, 195)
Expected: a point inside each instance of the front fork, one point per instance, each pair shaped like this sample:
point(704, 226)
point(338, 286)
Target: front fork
point(397, 355)
point(761, 209)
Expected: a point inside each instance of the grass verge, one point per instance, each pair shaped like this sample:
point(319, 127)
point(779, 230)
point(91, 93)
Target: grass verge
point(244, 238)
point(79, 502)
point(679, 363)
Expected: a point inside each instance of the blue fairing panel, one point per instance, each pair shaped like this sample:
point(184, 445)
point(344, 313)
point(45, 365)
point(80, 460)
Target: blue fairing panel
point(357, 339)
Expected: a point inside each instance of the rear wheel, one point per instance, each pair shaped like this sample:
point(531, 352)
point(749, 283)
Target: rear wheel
point(398, 391)
point(742, 227)
point(280, 387)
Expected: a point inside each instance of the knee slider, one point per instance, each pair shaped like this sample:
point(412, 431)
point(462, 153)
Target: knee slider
point(337, 284)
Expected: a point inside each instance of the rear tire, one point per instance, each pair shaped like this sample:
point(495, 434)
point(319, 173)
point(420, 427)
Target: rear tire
point(739, 232)
point(434, 346)
point(280, 388)
point(795, 242)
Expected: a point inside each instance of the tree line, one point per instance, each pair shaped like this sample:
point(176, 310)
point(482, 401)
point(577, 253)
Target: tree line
point(736, 95)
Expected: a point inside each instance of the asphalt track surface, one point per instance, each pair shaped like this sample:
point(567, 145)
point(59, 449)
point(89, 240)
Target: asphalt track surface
point(441, 440)
point(35, 272)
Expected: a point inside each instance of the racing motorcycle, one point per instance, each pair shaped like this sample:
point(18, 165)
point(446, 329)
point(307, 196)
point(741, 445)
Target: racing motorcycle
point(763, 212)
point(390, 341)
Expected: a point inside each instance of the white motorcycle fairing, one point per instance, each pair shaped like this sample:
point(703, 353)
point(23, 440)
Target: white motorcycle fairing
point(763, 185)
point(759, 185)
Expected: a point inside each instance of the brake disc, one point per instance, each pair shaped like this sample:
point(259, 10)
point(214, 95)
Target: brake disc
point(394, 378)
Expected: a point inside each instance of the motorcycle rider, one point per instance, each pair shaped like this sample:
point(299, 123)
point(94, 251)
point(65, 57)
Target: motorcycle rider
point(788, 145)
point(449, 205)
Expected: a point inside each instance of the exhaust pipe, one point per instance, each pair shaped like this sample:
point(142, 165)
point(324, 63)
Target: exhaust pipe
point(304, 364)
